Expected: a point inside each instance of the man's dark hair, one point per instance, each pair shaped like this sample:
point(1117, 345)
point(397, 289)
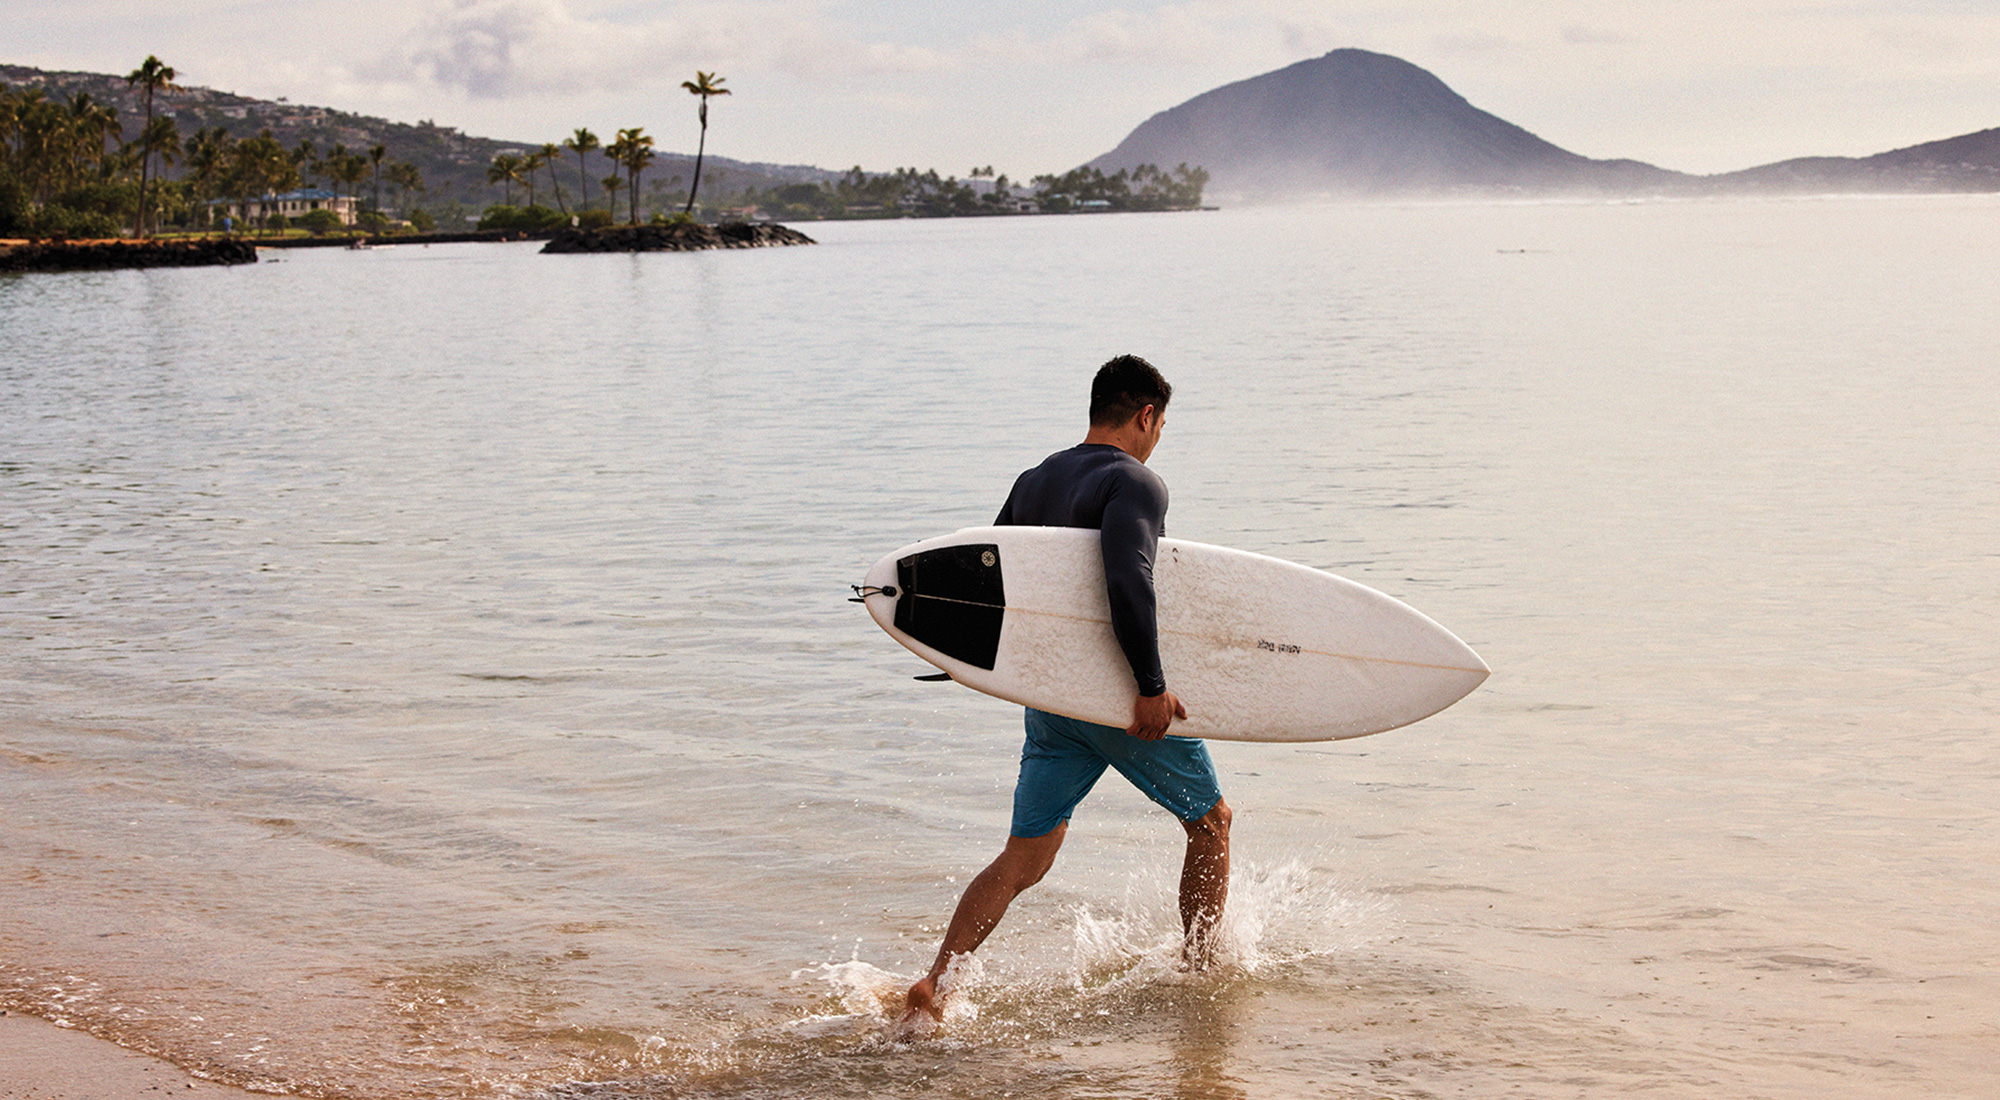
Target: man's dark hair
point(1122, 387)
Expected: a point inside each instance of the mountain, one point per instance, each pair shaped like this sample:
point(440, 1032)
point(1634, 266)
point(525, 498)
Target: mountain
point(1360, 123)
point(1970, 162)
point(1357, 123)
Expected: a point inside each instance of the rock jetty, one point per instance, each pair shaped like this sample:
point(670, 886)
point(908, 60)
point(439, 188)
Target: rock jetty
point(114, 254)
point(683, 237)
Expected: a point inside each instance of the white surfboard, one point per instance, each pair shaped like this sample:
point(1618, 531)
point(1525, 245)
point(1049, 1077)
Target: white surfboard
point(1257, 649)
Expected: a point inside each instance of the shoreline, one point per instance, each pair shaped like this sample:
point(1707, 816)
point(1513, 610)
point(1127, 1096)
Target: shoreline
point(42, 1060)
point(24, 256)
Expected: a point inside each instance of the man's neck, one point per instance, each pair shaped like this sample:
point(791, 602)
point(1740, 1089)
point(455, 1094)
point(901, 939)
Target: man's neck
point(1129, 437)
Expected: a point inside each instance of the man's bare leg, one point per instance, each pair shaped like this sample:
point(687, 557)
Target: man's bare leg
point(1020, 865)
point(1204, 883)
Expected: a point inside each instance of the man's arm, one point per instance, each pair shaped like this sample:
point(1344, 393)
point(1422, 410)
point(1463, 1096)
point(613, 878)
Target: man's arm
point(1130, 535)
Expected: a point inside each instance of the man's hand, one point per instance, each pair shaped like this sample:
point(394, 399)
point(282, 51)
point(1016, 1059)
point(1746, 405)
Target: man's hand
point(1152, 714)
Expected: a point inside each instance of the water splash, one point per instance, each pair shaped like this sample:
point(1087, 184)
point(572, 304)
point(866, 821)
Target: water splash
point(1277, 916)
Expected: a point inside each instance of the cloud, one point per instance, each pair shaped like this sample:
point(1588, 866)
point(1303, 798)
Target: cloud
point(497, 49)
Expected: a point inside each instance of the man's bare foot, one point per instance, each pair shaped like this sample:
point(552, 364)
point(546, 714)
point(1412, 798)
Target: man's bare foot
point(922, 998)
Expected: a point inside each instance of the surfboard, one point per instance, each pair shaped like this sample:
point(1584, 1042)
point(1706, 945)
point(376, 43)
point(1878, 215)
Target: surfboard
point(1257, 648)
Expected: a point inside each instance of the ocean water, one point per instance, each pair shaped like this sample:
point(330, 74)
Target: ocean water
point(426, 672)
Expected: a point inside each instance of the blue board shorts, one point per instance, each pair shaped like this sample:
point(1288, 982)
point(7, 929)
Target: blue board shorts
point(1063, 759)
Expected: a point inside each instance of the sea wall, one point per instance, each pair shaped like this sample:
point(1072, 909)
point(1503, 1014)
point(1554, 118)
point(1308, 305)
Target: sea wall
point(683, 237)
point(111, 255)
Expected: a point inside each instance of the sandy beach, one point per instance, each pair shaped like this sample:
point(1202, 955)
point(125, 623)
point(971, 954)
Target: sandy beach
point(41, 1061)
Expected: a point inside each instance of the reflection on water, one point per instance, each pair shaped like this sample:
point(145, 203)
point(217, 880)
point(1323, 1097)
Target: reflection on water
point(427, 671)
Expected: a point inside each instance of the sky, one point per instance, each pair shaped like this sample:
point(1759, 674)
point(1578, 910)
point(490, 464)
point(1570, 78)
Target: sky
point(1033, 87)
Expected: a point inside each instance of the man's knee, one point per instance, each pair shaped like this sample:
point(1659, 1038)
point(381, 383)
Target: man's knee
point(1211, 826)
point(1026, 859)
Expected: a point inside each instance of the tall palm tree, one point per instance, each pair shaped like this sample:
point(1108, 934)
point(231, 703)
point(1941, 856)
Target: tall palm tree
point(581, 143)
point(376, 154)
point(531, 167)
point(350, 169)
point(160, 140)
point(634, 151)
point(208, 154)
point(703, 85)
point(551, 153)
point(506, 171)
point(156, 76)
point(90, 125)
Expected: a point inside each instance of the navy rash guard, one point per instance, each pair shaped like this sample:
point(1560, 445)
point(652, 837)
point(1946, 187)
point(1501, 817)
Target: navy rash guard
point(1100, 486)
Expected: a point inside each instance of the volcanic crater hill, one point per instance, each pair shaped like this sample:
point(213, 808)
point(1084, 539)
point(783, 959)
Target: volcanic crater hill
point(1355, 123)
point(1363, 123)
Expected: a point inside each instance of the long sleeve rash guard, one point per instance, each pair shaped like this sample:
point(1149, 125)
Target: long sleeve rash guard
point(1098, 485)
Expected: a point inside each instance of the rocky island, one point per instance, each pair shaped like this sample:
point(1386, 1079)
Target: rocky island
point(106, 255)
point(675, 237)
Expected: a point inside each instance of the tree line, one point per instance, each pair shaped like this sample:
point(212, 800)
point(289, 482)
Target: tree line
point(906, 192)
point(630, 154)
point(67, 169)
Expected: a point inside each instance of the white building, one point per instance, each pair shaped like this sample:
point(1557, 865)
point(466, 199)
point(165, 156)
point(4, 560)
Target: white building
point(291, 204)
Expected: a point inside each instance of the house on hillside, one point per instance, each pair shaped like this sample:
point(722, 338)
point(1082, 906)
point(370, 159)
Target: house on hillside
point(291, 204)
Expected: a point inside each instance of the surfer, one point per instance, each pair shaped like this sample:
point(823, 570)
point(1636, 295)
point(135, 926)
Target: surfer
point(1104, 483)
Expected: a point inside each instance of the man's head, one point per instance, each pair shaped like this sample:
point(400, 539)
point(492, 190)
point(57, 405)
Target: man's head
point(1122, 388)
point(1128, 406)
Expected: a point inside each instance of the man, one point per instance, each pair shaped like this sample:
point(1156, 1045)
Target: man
point(1103, 483)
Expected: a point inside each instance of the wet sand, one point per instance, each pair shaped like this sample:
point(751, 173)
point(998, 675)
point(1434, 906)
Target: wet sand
point(40, 1061)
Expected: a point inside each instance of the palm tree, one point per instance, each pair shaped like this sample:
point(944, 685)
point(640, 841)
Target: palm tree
point(89, 125)
point(350, 169)
point(157, 77)
point(506, 171)
point(406, 177)
point(703, 85)
point(551, 153)
point(207, 158)
point(633, 150)
point(376, 154)
point(611, 185)
point(531, 165)
point(260, 166)
point(581, 143)
point(161, 139)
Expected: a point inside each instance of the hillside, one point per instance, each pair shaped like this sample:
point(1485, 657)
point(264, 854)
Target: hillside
point(453, 164)
point(1970, 162)
point(1360, 123)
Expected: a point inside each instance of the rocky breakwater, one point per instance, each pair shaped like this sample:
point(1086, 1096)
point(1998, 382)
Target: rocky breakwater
point(681, 237)
point(113, 254)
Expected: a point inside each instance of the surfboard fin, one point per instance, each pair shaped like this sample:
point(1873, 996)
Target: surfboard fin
point(933, 678)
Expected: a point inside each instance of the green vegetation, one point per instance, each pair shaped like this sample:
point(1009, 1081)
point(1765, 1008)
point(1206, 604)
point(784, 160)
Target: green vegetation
point(908, 193)
point(181, 157)
point(532, 218)
point(66, 170)
point(633, 151)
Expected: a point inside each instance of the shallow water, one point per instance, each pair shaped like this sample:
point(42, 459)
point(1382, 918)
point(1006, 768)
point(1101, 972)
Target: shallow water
point(428, 671)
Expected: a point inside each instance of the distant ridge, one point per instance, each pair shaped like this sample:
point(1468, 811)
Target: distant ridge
point(1355, 122)
point(1970, 162)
